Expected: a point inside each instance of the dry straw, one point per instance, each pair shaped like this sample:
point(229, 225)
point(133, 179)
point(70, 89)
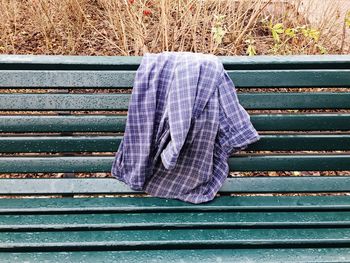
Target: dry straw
point(132, 27)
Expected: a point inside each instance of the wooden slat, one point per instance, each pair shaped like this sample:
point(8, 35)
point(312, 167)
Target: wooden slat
point(66, 62)
point(231, 185)
point(64, 101)
point(71, 123)
point(173, 220)
point(324, 100)
point(66, 79)
point(301, 122)
point(171, 238)
point(109, 123)
point(321, 162)
point(125, 79)
point(187, 255)
point(290, 100)
point(60, 144)
point(82, 205)
point(54, 62)
point(132, 62)
point(276, 142)
point(291, 78)
point(281, 142)
point(311, 162)
point(286, 62)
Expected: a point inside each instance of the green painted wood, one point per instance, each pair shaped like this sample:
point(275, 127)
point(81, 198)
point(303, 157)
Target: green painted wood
point(66, 79)
point(291, 78)
point(68, 205)
point(301, 122)
point(66, 62)
point(279, 142)
point(312, 162)
point(314, 100)
point(146, 230)
point(64, 101)
point(238, 184)
point(60, 144)
point(109, 123)
point(285, 184)
point(286, 62)
point(77, 123)
point(187, 255)
point(61, 62)
point(125, 78)
point(300, 100)
point(173, 238)
point(173, 220)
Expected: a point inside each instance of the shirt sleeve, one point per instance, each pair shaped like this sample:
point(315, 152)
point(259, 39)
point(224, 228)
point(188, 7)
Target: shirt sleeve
point(235, 126)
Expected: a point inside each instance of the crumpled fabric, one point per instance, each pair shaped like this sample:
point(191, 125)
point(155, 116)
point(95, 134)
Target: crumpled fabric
point(184, 121)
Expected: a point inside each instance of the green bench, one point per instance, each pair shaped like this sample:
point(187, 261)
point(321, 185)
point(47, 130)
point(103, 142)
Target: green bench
point(75, 130)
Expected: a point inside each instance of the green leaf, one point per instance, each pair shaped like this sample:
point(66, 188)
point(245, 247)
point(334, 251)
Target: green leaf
point(218, 34)
point(311, 33)
point(275, 36)
point(251, 50)
point(290, 32)
point(322, 49)
point(347, 19)
point(278, 28)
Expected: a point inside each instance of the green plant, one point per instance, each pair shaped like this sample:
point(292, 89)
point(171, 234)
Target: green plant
point(311, 33)
point(251, 51)
point(347, 19)
point(217, 30)
point(322, 49)
point(276, 30)
point(291, 32)
point(345, 25)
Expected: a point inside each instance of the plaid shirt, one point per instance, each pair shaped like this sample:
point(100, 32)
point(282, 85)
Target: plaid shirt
point(184, 121)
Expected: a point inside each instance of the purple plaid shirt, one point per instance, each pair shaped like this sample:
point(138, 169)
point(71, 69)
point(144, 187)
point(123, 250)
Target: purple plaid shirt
point(184, 121)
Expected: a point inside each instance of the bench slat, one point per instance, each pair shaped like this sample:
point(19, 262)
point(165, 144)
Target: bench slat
point(295, 162)
point(300, 122)
point(111, 143)
point(231, 185)
point(305, 100)
point(179, 238)
point(64, 102)
point(172, 220)
point(187, 255)
point(77, 123)
point(49, 62)
point(108, 123)
point(237, 163)
point(125, 78)
point(310, 162)
point(68, 205)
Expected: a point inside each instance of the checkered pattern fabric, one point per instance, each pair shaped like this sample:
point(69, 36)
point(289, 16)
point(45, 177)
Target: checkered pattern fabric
point(184, 121)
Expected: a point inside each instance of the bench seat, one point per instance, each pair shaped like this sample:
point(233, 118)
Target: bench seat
point(63, 117)
point(241, 228)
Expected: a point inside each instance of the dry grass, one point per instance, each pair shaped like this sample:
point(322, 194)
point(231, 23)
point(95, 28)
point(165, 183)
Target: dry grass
point(132, 27)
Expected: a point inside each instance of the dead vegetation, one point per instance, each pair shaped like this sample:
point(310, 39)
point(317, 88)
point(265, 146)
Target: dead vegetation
point(132, 27)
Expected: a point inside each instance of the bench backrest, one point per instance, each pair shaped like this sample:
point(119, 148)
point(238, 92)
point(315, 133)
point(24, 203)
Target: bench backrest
point(74, 129)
